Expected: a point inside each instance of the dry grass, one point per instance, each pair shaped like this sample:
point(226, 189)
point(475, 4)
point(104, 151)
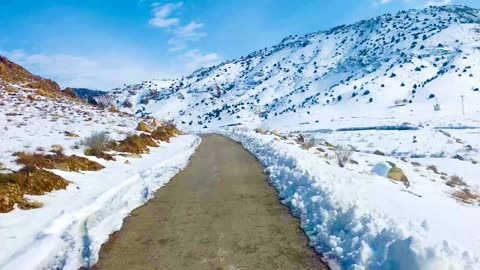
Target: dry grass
point(466, 195)
point(57, 161)
point(28, 181)
point(143, 126)
point(166, 132)
point(136, 144)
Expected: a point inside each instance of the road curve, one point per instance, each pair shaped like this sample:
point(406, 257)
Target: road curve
point(219, 213)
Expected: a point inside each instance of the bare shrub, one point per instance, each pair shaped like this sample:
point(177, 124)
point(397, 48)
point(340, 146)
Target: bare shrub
point(455, 180)
point(343, 155)
point(433, 168)
point(310, 142)
point(96, 145)
point(97, 142)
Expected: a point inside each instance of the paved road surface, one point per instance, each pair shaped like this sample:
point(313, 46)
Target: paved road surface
point(219, 213)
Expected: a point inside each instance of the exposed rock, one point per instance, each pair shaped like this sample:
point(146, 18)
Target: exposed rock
point(15, 74)
point(71, 134)
point(379, 153)
point(397, 174)
point(457, 156)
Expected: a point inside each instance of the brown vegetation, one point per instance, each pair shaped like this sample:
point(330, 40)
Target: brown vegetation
point(466, 195)
point(142, 126)
point(164, 133)
point(58, 161)
point(455, 181)
point(28, 181)
point(136, 144)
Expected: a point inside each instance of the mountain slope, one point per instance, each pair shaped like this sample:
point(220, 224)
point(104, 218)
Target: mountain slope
point(393, 64)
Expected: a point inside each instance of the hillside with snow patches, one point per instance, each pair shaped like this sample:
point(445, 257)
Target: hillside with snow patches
point(400, 64)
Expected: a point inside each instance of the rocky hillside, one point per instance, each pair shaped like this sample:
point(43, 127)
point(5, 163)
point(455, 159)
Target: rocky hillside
point(12, 74)
point(389, 65)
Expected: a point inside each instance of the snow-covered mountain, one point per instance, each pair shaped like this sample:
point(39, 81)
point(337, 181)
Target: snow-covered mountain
point(393, 64)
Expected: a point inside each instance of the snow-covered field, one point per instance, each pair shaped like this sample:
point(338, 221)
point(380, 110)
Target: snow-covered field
point(72, 224)
point(68, 231)
point(360, 220)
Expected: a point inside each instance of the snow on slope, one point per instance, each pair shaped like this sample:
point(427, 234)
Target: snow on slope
point(390, 65)
point(362, 221)
point(66, 232)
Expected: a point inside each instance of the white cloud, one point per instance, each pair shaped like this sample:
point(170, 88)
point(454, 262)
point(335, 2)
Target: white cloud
point(162, 14)
point(77, 71)
point(194, 59)
point(186, 34)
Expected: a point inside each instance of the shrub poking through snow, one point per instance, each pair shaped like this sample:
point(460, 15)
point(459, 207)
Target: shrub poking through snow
point(310, 142)
point(343, 155)
point(96, 145)
point(455, 181)
point(433, 168)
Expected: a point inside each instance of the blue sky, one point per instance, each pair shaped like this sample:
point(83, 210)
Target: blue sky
point(104, 44)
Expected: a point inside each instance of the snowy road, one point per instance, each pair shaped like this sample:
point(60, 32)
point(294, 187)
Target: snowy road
point(219, 213)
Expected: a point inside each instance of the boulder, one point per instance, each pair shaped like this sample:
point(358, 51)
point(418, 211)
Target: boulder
point(379, 153)
point(397, 174)
point(70, 134)
point(385, 169)
point(382, 169)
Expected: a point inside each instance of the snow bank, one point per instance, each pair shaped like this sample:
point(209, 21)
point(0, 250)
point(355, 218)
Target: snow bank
point(68, 231)
point(359, 221)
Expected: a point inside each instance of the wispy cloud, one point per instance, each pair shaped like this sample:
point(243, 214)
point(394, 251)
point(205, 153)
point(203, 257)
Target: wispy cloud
point(76, 71)
point(182, 36)
point(162, 15)
point(194, 59)
point(186, 34)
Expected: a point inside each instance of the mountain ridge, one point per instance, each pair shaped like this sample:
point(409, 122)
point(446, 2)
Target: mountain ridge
point(412, 54)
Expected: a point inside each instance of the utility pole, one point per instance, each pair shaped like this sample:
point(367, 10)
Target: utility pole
point(463, 104)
